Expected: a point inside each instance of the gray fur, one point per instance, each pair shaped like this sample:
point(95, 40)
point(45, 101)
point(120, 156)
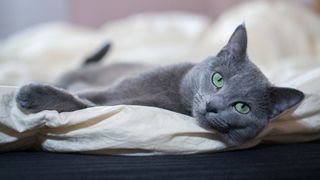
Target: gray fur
point(184, 88)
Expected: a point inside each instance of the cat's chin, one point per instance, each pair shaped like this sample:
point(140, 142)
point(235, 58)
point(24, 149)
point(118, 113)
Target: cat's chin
point(230, 136)
point(201, 119)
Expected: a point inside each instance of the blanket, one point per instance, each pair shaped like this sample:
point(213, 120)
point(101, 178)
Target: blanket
point(46, 52)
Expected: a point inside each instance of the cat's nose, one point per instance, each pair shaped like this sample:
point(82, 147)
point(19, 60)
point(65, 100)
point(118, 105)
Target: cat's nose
point(211, 108)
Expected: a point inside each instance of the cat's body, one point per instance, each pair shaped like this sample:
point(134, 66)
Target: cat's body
point(226, 92)
point(130, 84)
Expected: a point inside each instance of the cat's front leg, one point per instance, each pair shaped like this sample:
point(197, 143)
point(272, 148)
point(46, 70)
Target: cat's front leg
point(34, 98)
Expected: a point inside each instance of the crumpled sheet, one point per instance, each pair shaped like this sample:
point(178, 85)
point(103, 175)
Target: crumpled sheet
point(44, 53)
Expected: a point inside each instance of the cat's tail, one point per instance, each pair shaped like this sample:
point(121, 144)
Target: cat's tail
point(98, 55)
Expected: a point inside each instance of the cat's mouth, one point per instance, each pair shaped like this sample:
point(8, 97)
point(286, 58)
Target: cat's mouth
point(210, 120)
point(217, 123)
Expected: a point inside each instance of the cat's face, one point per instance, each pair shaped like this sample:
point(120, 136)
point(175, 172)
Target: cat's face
point(234, 97)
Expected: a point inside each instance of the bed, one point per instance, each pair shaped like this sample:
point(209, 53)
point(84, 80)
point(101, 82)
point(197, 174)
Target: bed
point(44, 53)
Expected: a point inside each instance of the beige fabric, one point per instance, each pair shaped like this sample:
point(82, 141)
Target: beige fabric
point(283, 41)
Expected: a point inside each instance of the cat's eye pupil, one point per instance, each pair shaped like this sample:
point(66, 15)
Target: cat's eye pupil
point(242, 108)
point(217, 80)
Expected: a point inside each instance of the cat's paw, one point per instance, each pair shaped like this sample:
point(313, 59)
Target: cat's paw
point(34, 97)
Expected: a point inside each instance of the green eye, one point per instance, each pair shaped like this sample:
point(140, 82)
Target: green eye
point(217, 80)
point(242, 108)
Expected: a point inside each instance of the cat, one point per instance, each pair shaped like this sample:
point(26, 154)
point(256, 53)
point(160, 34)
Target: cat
point(226, 92)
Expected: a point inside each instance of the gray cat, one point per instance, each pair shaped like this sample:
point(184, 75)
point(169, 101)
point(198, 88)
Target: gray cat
point(226, 92)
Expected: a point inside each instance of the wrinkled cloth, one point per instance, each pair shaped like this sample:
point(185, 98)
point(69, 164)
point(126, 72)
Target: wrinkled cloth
point(143, 130)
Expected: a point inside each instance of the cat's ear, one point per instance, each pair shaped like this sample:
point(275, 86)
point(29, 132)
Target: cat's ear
point(237, 44)
point(283, 99)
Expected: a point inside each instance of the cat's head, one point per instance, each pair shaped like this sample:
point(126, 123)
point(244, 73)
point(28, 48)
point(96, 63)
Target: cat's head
point(234, 97)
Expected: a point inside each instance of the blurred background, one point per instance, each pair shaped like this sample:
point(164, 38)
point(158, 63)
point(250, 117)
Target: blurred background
point(16, 15)
point(40, 40)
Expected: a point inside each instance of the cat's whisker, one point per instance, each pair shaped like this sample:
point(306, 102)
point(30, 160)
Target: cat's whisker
point(222, 127)
point(236, 135)
point(222, 122)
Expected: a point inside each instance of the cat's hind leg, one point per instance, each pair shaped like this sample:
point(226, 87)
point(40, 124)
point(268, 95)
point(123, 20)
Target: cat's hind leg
point(34, 98)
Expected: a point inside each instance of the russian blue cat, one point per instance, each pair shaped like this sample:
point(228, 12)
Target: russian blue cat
point(226, 92)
